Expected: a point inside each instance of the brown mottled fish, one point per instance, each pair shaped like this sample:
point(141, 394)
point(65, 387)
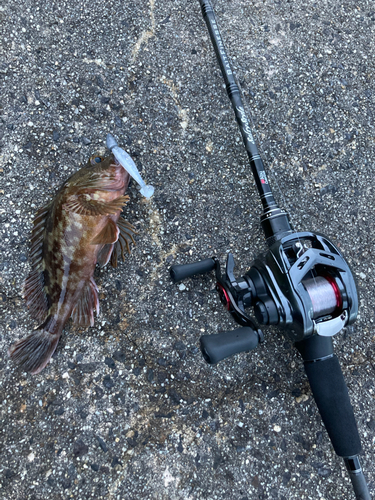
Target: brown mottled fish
point(79, 228)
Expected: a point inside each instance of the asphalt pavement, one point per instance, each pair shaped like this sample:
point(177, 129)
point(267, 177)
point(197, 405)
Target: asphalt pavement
point(128, 409)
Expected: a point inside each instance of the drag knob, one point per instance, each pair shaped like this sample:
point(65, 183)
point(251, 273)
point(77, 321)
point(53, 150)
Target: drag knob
point(266, 312)
point(261, 313)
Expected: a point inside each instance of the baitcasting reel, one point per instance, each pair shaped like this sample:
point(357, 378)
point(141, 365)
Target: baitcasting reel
point(302, 285)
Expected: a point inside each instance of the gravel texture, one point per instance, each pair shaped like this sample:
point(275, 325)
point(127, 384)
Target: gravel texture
point(128, 409)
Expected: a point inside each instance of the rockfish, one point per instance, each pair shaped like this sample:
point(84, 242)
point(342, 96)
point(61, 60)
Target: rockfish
point(79, 228)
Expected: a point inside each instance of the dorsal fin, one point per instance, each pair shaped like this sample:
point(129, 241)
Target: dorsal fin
point(35, 296)
point(83, 312)
point(33, 288)
point(84, 205)
point(37, 236)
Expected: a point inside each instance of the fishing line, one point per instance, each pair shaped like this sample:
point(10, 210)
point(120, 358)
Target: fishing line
point(259, 141)
point(265, 157)
point(354, 122)
point(302, 284)
point(253, 127)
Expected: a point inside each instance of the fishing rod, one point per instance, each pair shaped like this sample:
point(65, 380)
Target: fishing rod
point(302, 285)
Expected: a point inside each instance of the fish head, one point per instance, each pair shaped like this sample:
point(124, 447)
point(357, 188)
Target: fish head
point(113, 176)
point(101, 173)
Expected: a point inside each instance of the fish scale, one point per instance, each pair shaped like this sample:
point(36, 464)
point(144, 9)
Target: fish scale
point(78, 229)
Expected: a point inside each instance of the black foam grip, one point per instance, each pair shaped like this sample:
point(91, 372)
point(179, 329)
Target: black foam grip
point(221, 345)
point(180, 272)
point(332, 398)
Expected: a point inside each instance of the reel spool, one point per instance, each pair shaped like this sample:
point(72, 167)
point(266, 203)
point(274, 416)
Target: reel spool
point(302, 284)
point(325, 295)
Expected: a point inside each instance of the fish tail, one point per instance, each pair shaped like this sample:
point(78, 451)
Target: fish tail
point(32, 353)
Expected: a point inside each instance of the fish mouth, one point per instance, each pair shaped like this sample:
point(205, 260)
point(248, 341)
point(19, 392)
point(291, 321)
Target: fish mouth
point(128, 177)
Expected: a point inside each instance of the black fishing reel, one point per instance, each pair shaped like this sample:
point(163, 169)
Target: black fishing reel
point(302, 284)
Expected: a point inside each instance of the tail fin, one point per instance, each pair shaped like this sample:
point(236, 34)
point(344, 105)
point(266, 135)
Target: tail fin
point(33, 352)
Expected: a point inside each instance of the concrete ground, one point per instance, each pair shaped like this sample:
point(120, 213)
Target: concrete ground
point(128, 409)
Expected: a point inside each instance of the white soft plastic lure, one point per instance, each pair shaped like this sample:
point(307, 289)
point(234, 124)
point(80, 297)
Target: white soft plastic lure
point(126, 161)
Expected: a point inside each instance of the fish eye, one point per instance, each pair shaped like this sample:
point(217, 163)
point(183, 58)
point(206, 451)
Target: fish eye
point(94, 160)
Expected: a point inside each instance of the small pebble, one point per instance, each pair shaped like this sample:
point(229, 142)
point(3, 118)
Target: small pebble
point(302, 398)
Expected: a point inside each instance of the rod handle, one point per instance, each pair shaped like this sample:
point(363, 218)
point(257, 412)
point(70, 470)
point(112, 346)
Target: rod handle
point(182, 271)
point(331, 394)
point(224, 344)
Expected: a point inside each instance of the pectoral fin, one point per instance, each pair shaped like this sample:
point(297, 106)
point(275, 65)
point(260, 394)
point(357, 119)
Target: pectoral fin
point(109, 234)
point(124, 240)
point(85, 205)
point(105, 254)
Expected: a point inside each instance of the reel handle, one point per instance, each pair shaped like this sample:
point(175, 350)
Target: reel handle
point(221, 345)
point(182, 271)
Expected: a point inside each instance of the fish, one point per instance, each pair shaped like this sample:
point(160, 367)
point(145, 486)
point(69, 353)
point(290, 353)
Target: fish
point(79, 228)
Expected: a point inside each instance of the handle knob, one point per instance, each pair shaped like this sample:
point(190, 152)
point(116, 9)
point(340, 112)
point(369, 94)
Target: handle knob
point(180, 272)
point(221, 345)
